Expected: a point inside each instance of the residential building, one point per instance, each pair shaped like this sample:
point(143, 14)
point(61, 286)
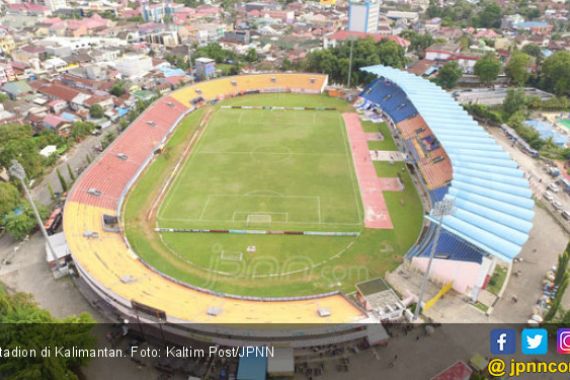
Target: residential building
point(134, 65)
point(363, 15)
point(6, 73)
point(7, 43)
point(54, 5)
point(205, 68)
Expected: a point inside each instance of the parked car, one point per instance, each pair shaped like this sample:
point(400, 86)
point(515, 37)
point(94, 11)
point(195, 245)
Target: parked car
point(548, 196)
point(565, 214)
point(553, 187)
point(557, 205)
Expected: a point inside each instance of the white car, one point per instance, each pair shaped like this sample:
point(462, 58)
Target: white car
point(548, 196)
point(553, 187)
point(557, 205)
point(566, 215)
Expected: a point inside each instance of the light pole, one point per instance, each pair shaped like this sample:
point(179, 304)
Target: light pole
point(17, 170)
point(440, 209)
point(350, 62)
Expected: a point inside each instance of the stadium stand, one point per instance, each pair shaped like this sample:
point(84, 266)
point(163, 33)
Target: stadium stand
point(114, 272)
point(493, 206)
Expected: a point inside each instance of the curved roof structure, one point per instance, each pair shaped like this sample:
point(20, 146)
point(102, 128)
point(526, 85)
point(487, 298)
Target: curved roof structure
point(493, 206)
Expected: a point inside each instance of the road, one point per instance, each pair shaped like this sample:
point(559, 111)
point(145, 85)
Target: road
point(537, 176)
point(76, 158)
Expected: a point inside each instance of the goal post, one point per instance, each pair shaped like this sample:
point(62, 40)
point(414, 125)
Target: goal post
point(258, 219)
point(231, 256)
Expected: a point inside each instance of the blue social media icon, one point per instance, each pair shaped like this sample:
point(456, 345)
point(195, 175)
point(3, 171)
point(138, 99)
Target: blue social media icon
point(534, 342)
point(503, 341)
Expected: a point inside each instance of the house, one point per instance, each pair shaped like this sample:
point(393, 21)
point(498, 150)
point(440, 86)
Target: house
point(343, 35)
point(59, 92)
point(205, 68)
point(6, 73)
point(17, 89)
point(442, 52)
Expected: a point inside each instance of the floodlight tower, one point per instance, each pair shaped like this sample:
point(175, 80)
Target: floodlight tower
point(16, 170)
point(440, 210)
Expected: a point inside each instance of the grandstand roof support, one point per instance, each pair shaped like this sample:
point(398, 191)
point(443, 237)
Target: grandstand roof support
point(440, 209)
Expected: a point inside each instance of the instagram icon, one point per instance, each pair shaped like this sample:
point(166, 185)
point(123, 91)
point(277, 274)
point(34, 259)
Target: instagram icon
point(563, 341)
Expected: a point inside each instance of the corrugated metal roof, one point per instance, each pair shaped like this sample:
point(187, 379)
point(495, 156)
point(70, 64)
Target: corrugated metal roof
point(493, 202)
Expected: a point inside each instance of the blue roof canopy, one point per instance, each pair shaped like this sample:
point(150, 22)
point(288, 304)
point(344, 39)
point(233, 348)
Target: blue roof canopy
point(493, 205)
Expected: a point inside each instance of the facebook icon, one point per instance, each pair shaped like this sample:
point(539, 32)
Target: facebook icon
point(503, 341)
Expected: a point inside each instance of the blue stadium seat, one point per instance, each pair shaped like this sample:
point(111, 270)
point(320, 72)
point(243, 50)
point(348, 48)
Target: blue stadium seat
point(451, 247)
point(390, 98)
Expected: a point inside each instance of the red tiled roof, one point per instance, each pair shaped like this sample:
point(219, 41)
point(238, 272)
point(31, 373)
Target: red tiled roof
point(343, 35)
point(59, 91)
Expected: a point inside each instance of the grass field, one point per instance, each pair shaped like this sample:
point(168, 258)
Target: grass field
point(267, 164)
point(273, 170)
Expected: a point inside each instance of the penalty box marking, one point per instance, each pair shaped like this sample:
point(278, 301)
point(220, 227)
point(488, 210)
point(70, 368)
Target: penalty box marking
point(316, 199)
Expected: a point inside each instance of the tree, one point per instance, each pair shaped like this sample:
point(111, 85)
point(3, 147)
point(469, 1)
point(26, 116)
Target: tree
point(118, 89)
point(487, 68)
point(62, 181)
point(22, 222)
point(37, 329)
point(518, 67)
point(391, 54)
point(514, 101)
point(70, 173)
point(449, 75)
point(533, 50)
point(251, 56)
point(9, 198)
point(555, 75)
point(17, 143)
point(96, 111)
point(3, 97)
point(51, 192)
point(490, 16)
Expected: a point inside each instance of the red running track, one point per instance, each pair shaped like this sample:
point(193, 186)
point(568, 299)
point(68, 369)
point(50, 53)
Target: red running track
point(375, 211)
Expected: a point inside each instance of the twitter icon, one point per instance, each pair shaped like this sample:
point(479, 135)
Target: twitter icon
point(534, 342)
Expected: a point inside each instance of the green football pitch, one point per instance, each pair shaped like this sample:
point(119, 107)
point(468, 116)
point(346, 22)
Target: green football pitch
point(270, 169)
point(267, 170)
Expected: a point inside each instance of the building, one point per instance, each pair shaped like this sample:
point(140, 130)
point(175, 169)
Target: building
point(363, 15)
point(134, 65)
point(54, 5)
point(6, 73)
point(7, 43)
point(205, 68)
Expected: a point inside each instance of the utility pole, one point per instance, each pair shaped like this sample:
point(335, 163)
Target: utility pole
point(440, 209)
point(17, 171)
point(350, 62)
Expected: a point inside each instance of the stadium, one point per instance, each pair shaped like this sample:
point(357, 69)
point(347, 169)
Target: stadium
point(256, 199)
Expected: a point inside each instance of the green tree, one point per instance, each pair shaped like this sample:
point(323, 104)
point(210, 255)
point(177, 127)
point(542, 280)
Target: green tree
point(21, 223)
point(17, 143)
point(487, 68)
point(533, 50)
point(555, 75)
point(449, 75)
point(518, 67)
point(118, 89)
point(9, 198)
point(81, 129)
point(51, 192)
point(96, 111)
point(490, 15)
point(62, 181)
point(3, 97)
point(70, 172)
point(38, 329)
point(251, 56)
point(514, 101)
